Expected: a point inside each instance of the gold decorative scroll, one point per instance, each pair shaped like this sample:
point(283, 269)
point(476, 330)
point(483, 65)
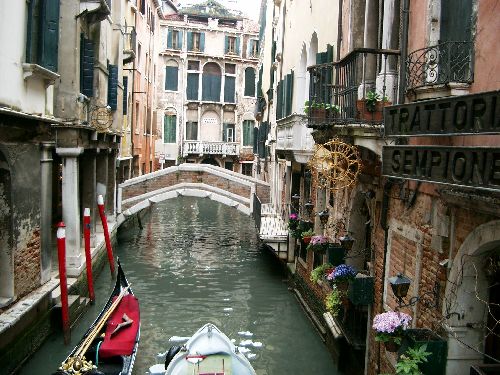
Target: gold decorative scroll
point(336, 164)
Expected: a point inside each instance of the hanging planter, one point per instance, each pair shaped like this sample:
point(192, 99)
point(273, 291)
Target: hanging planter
point(436, 362)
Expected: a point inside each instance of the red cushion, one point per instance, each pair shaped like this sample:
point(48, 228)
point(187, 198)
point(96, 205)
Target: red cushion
point(122, 342)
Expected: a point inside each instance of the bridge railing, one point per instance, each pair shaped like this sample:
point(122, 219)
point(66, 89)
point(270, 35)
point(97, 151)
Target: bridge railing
point(257, 211)
point(210, 148)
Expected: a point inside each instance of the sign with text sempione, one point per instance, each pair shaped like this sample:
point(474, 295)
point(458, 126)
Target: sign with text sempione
point(466, 114)
point(477, 167)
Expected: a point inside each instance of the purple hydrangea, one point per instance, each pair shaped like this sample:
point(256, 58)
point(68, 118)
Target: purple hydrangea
point(293, 216)
point(390, 322)
point(342, 272)
point(319, 240)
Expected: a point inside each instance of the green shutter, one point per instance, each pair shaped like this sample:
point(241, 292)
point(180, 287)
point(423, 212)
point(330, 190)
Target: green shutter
point(273, 52)
point(456, 20)
point(202, 42)
point(329, 53)
point(237, 46)
point(171, 78)
point(125, 95)
point(189, 41)
point(229, 89)
point(262, 139)
point(113, 86)
point(50, 34)
point(192, 86)
point(170, 38)
point(249, 82)
point(192, 131)
point(255, 138)
point(210, 90)
point(224, 132)
point(226, 44)
point(289, 94)
point(279, 100)
point(180, 36)
point(86, 67)
point(248, 129)
point(169, 129)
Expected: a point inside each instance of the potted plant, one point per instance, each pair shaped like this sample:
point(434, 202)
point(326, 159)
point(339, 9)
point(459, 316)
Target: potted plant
point(341, 275)
point(293, 224)
point(318, 244)
point(435, 345)
point(409, 363)
point(390, 328)
point(333, 301)
point(371, 107)
point(319, 110)
point(307, 235)
point(320, 272)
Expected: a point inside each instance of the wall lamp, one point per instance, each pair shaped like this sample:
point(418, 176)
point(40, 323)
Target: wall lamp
point(309, 207)
point(295, 201)
point(323, 216)
point(400, 285)
point(347, 241)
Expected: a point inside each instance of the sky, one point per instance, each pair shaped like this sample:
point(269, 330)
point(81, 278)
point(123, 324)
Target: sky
point(250, 8)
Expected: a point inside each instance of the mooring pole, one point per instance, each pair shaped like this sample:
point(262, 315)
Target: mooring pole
point(88, 257)
point(61, 254)
point(100, 204)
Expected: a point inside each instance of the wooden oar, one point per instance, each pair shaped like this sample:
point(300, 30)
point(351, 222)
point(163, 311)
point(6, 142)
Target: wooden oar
point(90, 338)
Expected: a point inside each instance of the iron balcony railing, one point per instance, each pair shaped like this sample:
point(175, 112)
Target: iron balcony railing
point(210, 148)
point(337, 90)
point(447, 62)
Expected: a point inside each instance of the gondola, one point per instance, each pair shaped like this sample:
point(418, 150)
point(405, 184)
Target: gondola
point(110, 344)
point(208, 351)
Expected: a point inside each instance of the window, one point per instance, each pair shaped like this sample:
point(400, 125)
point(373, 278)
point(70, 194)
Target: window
point(86, 66)
point(247, 169)
point(193, 83)
point(249, 82)
point(169, 129)
point(43, 33)
point(193, 65)
point(139, 56)
point(230, 68)
point(191, 131)
point(211, 82)
point(125, 95)
point(196, 41)
point(232, 45)
point(228, 133)
point(142, 6)
point(230, 83)
point(253, 48)
point(171, 76)
point(228, 165)
point(174, 39)
point(248, 126)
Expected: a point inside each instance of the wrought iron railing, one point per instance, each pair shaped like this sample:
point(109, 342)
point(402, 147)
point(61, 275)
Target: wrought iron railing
point(257, 211)
point(441, 64)
point(210, 148)
point(337, 90)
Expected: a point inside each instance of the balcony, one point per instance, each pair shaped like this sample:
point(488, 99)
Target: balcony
point(210, 148)
point(129, 44)
point(95, 10)
point(444, 64)
point(337, 90)
point(294, 136)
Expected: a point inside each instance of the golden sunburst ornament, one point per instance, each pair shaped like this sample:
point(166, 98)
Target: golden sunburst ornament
point(337, 164)
point(101, 118)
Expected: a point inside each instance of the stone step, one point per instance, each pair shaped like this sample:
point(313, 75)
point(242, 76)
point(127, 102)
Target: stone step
point(56, 293)
point(77, 306)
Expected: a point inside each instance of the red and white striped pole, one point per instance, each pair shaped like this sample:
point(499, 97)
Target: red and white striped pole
point(61, 254)
point(100, 204)
point(88, 257)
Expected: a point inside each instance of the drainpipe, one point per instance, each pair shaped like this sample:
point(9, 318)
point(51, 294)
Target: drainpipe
point(339, 30)
point(385, 226)
point(404, 50)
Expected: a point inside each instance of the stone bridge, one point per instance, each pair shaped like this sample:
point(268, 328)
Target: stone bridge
point(196, 180)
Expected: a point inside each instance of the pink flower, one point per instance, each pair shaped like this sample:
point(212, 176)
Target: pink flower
point(391, 321)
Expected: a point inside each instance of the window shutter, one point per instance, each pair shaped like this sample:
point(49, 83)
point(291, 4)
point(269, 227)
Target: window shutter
point(202, 42)
point(329, 53)
point(189, 41)
point(125, 95)
point(237, 46)
point(255, 137)
point(249, 82)
point(262, 139)
point(192, 86)
point(169, 129)
point(171, 78)
point(180, 35)
point(86, 67)
point(113, 86)
point(50, 34)
point(224, 132)
point(226, 44)
point(289, 94)
point(229, 89)
point(192, 131)
point(170, 38)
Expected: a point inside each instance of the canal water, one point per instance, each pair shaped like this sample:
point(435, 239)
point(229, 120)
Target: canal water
point(196, 261)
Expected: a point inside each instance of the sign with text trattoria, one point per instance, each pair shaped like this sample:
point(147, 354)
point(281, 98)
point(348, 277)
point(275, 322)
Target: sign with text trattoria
point(477, 167)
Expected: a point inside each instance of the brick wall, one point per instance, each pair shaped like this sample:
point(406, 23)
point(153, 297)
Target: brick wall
point(27, 266)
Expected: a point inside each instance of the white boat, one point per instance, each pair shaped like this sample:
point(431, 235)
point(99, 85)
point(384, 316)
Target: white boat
point(209, 352)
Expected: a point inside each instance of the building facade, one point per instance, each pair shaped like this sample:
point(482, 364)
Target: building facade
point(206, 89)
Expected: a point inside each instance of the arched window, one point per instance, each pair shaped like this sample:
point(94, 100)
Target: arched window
point(249, 82)
point(211, 82)
point(170, 127)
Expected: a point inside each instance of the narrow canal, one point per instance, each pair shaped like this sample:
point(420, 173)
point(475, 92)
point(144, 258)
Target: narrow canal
point(197, 261)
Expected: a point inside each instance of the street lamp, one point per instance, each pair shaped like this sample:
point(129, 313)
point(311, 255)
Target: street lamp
point(323, 216)
point(347, 241)
point(400, 285)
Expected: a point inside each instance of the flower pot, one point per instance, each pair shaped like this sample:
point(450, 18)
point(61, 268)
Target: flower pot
point(318, 115)
point(306, 240)
point(436, 362)
point(375, 116)
point(391, 346)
